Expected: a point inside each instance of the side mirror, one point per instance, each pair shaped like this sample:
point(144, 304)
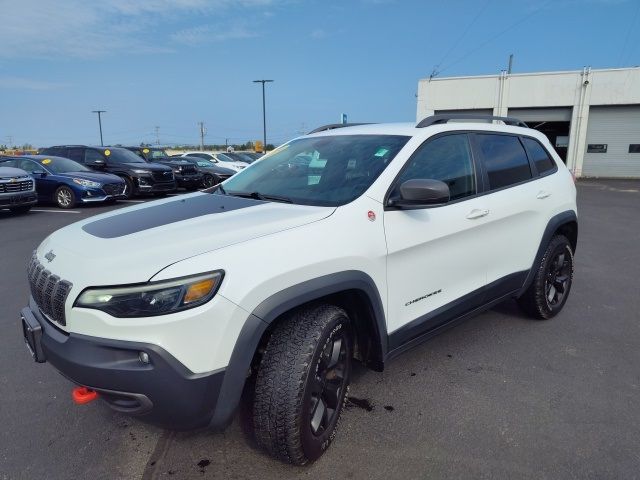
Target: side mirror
point(421, 192)
point(98, 163)
point(40, 173)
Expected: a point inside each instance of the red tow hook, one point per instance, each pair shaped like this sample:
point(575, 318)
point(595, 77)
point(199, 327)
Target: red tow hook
point(82, 395)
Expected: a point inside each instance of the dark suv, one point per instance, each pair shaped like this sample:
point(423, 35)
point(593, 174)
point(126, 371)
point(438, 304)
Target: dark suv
point(140, 176)
point(186, 173)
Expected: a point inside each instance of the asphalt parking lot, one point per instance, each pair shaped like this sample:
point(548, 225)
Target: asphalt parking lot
point(500, 396)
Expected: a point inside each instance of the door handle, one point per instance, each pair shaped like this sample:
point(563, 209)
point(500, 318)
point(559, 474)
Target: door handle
point(542, 194)
point(476, 213)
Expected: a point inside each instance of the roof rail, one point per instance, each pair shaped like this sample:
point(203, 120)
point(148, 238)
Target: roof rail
point(444, 118)
point(333, 126)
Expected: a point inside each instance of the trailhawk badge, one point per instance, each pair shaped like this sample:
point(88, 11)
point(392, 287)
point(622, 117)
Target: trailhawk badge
point(50, 256)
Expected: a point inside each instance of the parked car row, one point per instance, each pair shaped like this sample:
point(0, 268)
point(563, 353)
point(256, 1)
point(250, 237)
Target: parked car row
point(68, 175)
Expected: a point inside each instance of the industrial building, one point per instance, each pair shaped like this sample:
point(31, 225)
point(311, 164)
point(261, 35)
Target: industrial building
point(592, 117)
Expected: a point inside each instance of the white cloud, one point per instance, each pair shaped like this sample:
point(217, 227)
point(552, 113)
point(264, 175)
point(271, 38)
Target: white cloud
point(23, 83)
point(90, 29)
point(318, 33)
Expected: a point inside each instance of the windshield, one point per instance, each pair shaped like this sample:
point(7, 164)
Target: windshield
point(204, 163)
point(222, 157)
point(154, 154)
point(328, 171)
point(122, 155)
point(240, 157)
point(63, 165)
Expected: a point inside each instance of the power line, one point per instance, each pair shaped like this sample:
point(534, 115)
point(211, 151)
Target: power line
point(435, 71)
point(491, 39)
point(626, 41)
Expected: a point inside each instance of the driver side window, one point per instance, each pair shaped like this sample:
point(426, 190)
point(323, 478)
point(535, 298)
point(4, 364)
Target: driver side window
point(448, 159)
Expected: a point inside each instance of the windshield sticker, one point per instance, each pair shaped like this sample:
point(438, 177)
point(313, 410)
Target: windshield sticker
point(145, 150)
point(382, 152)
point(46, 161)
point(107, 152)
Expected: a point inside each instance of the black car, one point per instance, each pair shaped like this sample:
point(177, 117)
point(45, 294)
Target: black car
point(140, 176)
point(186, 173)
point(212, 174)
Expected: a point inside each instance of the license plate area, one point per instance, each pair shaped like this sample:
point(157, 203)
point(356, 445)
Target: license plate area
point(32, 333)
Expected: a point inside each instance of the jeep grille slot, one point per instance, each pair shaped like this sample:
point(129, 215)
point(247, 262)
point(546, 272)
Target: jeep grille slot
point(49, 291)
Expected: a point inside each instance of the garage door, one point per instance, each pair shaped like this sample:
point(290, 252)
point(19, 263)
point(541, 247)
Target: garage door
point(611, 132)
point(561, 114)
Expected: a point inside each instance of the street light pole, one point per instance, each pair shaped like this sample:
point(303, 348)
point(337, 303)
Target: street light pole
point(100, 112)
point(264, 115)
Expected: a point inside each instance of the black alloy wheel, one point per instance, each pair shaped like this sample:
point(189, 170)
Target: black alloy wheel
point(550, 288)
point(328, 385)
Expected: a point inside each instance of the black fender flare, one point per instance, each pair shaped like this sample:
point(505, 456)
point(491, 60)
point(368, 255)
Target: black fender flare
point(269, 310)
point(554, 224)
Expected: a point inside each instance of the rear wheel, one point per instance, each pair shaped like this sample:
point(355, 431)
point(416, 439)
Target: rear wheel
point(302, 383)
point(550, 288)
point(64, 197)
point(22, 209)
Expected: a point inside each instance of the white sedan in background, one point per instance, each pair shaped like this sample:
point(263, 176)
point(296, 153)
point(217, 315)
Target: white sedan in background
point(219, 158)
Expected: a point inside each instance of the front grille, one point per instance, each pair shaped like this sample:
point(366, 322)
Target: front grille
point(23, 186)
point(189, 170)
point(113, 188)
point(48, 291)
point(163, 176)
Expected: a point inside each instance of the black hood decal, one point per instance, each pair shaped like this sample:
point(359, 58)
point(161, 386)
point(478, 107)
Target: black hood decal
point(153, 216)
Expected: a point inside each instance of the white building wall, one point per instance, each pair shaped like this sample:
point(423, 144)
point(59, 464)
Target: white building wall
point(578, 90)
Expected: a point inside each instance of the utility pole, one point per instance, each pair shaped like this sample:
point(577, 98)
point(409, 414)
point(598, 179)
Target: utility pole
point(202, 134)
point(157, 129)
point(264, 114)
point(510, 64)
point(100, 112)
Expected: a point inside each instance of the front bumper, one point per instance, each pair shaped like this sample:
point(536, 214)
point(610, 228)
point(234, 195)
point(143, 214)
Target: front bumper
point(149, 185)
point(163, 391)
point(189, 181)
point(18, 199)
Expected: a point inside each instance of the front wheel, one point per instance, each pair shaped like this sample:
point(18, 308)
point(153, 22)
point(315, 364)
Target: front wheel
point(302, 383)
point(128, 188)
point(65, 198)
point(209, 181)
point(550, 288)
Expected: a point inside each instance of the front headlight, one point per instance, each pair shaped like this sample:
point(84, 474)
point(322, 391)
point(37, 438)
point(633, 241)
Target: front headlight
point(142, 172)
point(177, 169)
point(151, 299)
point(86, 183)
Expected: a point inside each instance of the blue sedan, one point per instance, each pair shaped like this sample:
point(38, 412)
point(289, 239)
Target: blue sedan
point(66, 182)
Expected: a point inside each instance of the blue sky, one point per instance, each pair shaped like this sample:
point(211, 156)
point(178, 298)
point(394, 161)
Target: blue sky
point(172, 63)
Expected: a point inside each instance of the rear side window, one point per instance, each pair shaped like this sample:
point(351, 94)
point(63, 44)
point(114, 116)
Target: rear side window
point(539, 155)
point(76, 154)
point(504, 159)
point(447, 159)
point(91, 156)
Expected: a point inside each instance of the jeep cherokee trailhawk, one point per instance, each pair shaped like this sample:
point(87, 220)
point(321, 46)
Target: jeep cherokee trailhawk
point(349, 242)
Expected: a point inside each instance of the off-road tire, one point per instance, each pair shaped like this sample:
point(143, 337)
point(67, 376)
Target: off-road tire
point(287, 384)
point(536, 301)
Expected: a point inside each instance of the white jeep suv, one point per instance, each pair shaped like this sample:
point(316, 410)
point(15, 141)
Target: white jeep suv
point(354, 242)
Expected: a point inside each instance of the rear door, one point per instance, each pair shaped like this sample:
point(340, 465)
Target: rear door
point(436, 265)
point(514, 216)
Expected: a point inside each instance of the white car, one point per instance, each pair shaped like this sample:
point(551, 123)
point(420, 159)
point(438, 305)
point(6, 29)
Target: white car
point(353, 242)
point(219, 158)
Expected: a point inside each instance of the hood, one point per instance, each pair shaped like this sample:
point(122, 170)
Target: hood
point(133, 244)
point(10, 172)
point(171, 161)
point(93, 176)
point(148, 166)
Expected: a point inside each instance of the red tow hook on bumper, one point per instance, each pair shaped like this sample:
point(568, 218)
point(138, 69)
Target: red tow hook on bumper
point(82, 395)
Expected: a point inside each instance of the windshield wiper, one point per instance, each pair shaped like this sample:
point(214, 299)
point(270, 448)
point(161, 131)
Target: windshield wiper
point(261, 196)
point(221, 189)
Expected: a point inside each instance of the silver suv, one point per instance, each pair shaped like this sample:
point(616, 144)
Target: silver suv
point(17, 190)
